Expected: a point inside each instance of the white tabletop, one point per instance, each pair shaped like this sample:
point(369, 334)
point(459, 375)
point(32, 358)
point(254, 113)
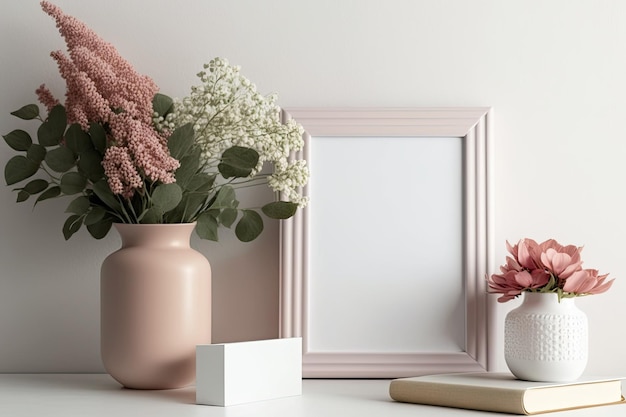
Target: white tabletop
point(89, 395)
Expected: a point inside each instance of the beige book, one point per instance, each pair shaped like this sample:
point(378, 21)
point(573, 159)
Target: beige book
point(501, 392)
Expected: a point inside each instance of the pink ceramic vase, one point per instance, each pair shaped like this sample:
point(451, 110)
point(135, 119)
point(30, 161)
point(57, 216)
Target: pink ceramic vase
point(155, 306)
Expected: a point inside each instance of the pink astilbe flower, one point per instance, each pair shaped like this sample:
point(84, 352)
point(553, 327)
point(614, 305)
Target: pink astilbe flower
point(546, 267)
point(139, 152)
point(83, 101)
point(46, 98)
point(113, 79)
point(112, 75)
point(104, 88)
point(122, 176)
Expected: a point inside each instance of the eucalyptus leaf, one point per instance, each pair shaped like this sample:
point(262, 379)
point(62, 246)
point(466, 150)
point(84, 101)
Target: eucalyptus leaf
point(100, 229)
point(238, 162)
point(206, 227)
point(249, 227)
point(50, 132)
point(228, 216)
point(51, 192)
point(201, 182)
point(58, 118)
point(187, 209)
point(177, 215)
point(60, 159)
point(46, 135)
point(280, 209)
point(22, 196)
point(98, 137)
point(167, 196)
point(36, 186)
point(181, 141)
point(90, 164)
point(36, 153)
point(77, 139)
point(189, 165)
point(72, 225)
point(104, 193)
point(154, 215)
point(225, 198)
point(19, 168)
point(162, 104)
point(18, 139)
point(95, 215)
point(28, 112)
point(33, 187)
point(79, 205)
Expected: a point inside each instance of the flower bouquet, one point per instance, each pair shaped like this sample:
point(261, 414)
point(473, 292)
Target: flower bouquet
point(546, 267)
point(129, 154)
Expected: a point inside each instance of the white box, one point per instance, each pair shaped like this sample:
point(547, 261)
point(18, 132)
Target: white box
point(243, 372)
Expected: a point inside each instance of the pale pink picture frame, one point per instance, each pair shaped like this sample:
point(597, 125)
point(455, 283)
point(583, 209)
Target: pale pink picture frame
point(473, 126)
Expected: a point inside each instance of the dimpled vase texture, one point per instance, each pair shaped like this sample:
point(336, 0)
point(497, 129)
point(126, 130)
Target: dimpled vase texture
point(155, 306)
point(546, 340)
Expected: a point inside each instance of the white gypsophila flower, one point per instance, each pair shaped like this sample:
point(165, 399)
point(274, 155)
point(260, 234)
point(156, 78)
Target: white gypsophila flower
point(289, 179)
point(226, 110)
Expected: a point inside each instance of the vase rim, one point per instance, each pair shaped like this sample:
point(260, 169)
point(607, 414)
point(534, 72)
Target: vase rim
point(153, 224)
point(167, 234)
point(542, 293)
point(536, 295)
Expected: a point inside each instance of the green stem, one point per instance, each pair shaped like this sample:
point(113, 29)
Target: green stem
point(56, 180)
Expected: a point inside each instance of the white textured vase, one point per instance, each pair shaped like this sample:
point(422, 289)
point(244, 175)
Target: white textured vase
point(546, 340)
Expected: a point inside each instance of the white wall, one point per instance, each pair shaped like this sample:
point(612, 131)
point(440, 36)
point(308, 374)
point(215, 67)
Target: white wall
point(555, 73)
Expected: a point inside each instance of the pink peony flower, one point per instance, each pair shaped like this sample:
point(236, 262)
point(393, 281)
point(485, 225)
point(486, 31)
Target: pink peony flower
point(587, 281)
point(561, 261)
point(512, 283)
point(524, 253)
point(545, 267)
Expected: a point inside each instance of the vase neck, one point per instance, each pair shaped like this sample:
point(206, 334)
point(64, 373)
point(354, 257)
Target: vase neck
point(155, 235)
point(547, 299)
